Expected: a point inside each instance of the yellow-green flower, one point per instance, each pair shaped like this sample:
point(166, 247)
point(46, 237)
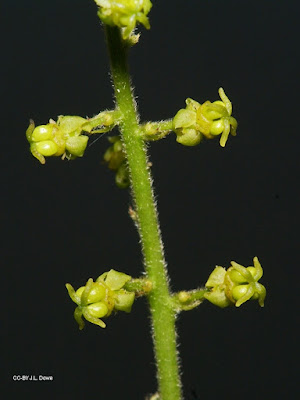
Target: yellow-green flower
point(124, 13)
point(68, 136)
point(98, 299)
point(236, 285)
point(205, 120)
point(61, 138)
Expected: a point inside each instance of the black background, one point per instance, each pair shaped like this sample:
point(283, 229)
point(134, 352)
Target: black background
point(66, 221)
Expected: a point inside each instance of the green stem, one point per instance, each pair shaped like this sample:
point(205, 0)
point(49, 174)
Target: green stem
point(157, 130)
point(197, 294)
point(104, 121)
point(141, 287)
point(162, 311)
point(187, 300)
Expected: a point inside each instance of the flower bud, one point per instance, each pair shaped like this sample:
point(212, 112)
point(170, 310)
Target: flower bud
point(122, 176)
point(114, 155)
point(115, 159)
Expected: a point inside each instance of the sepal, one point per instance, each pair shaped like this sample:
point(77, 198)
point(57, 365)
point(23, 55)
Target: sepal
point(124, 300)
point(215, 283)
point(114, 279)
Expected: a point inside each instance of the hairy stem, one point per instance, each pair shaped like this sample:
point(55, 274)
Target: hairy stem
point(157, 130)
point(161, 308)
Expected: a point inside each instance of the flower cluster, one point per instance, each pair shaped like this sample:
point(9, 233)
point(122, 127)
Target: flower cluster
point(61, 138)
point(116, 161)
point(124, 13)
point(207, 120)
point(98, 299)
point(68, 136)
point(236, 285)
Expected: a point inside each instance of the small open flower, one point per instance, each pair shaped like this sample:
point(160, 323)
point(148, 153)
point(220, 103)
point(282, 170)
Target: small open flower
point(98, 299)
point(205, 120)
point(242, 283)
point(61, 138)
point(236, 285)
point(68, 136)
point(124, 13)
